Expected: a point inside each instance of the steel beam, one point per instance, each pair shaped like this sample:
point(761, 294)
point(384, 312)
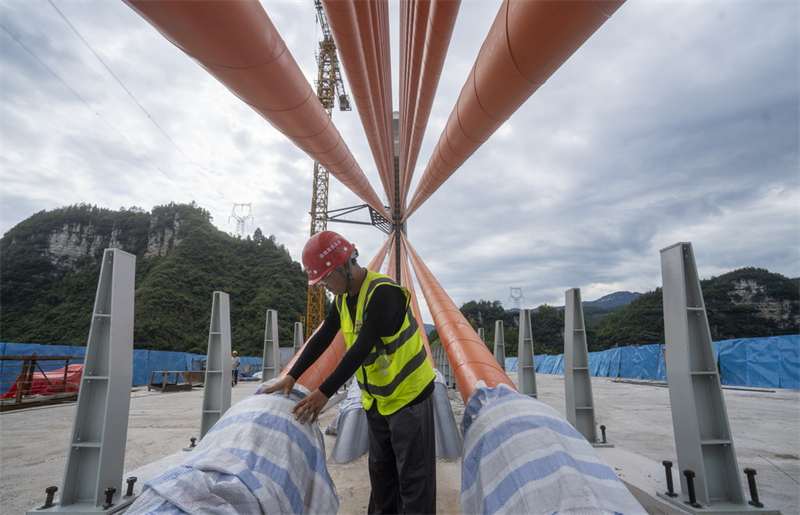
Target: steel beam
point(703, 437)
point(217, 390)
point(97, 447)
point(272, 359)
point(500, 344)
point(448, 436)
point(526, 371)
point(577, 376)
point(299, 338)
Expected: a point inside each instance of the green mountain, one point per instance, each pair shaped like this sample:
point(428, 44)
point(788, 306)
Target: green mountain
point(745, 303)
point(51, 263)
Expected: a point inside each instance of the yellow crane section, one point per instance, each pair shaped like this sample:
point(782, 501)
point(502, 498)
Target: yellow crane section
point(330, 89)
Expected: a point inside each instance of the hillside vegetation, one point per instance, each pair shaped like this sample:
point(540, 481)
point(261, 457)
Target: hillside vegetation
point(745, 303)
point(51, 263)
point(50, 268)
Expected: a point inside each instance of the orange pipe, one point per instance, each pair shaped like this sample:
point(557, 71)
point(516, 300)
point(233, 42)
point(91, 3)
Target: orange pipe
point(380, 257)
point(413, 41)
point(469, 357)
point(440, 22)
point(322, 368)
point(373, 20)
point(391, 264)
point(343, 21)
point(407, 283)
point(405, 280)
point(529, 40)
point(237, 43)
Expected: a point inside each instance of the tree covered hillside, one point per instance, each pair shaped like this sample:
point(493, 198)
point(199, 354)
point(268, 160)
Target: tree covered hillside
point(745, 303)
point(50, 268)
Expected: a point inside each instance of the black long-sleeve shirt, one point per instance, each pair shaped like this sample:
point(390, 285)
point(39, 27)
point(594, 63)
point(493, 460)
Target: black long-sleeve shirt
point(383, 316)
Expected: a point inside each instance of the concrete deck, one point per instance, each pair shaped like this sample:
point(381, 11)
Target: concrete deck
point(765, 425)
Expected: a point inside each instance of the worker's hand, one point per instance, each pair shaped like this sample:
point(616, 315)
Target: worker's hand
point(310, 407)
point(286, 383)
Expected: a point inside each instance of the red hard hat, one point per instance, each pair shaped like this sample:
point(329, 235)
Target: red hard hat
point(323, 252)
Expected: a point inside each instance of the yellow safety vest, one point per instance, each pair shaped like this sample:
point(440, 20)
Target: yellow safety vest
point(409, 372)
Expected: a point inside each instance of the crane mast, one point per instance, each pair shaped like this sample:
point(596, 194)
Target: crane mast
point(330, 89)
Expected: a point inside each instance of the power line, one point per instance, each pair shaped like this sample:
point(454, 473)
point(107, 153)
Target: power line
point(93, 109)
point(133, 97)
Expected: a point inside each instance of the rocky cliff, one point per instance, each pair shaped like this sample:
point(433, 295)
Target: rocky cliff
point(73, 241)
point(163, 235)
point(71, 246)
point(750, 292)
point(51, 261)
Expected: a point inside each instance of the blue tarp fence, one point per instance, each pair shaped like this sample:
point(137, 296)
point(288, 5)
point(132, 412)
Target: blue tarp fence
point(772, 362)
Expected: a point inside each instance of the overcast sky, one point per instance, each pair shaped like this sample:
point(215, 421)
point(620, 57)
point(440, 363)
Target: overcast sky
point(676, 121)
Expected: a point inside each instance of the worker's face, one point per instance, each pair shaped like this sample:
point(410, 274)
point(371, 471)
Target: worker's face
point(336, 282)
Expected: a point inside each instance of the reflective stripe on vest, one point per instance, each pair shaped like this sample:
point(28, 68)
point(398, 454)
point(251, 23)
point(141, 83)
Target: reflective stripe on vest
point(410, 370)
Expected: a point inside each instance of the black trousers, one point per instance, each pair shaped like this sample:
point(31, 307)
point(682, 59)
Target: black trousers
point(402, 460)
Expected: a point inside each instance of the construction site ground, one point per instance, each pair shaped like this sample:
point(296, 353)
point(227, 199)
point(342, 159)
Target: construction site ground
point(765, 425)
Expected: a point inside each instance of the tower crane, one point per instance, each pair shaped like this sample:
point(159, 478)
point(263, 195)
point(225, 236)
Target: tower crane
point(330, 90)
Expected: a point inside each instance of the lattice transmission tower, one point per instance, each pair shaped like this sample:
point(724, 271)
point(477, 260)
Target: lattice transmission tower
point(243, 216)
point(516, 296)
point(330, 89)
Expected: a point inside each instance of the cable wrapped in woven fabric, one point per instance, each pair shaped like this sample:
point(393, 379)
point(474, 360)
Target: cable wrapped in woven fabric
point(256, 459)
point(522, 456)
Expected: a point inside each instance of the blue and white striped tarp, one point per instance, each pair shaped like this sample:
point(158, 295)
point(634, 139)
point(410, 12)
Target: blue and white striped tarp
point(522, 456)
point(256, 459)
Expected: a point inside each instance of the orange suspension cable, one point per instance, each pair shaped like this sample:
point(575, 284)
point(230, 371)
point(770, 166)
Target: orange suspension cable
point(529, 40)
point(238, 44)
point(468, 356)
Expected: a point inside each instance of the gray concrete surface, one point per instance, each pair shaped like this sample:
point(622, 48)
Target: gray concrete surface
point(765, 424)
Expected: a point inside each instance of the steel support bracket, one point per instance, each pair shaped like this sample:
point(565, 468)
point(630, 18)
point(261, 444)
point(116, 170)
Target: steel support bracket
point(703, 437)
point(217, 391)
point(96, 452)
point(577, 375)
point(500, 344)
point(272, 359)
point(299, 339)
point(526, 371)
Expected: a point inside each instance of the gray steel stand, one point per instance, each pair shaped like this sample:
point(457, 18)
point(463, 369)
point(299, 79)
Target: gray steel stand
point(272, 358)
point(481, 336)
point(352, 439)
point(449, 378)
point(500, 344)
point(526, 372)
point(97, 449)
point(440, 359)
point(299, 337)
point(699, 418)
point(448, 436)
point(217, 391)
point(440, 362)
point(577, 376)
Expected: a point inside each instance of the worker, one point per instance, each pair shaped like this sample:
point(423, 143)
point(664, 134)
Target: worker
point(387, 356)
point(235, 362)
